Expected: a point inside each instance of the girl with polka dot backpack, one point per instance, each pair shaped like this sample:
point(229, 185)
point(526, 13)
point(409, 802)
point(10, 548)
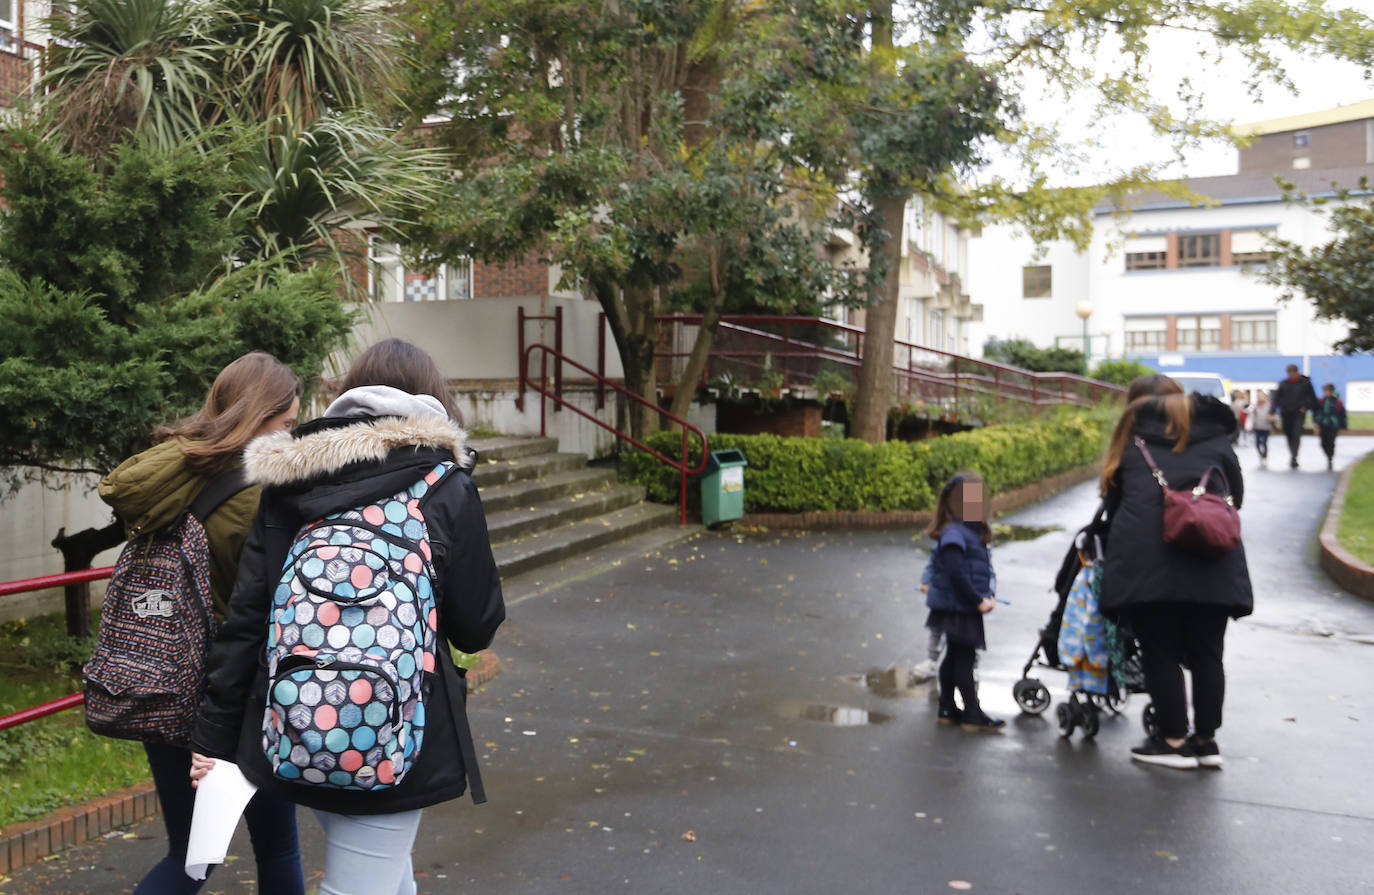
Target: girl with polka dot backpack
point(331, 682)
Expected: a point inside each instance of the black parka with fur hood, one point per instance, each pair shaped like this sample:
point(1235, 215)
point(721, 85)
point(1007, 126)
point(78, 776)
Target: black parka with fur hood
point(349, 458)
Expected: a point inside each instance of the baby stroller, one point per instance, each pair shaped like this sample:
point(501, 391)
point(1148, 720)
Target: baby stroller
point(1105, 668)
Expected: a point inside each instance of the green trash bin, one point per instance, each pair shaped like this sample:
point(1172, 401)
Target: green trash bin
point(722, 487)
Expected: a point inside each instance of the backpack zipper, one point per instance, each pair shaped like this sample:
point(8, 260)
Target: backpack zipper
point(398, 540)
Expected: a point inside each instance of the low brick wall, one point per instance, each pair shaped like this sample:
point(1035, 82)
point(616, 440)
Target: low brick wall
point(25, 843)
point(1345, 569)
point(1002, 503)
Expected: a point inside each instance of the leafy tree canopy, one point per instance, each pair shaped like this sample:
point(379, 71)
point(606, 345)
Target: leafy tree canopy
point(116, 308)
point(1337, 276)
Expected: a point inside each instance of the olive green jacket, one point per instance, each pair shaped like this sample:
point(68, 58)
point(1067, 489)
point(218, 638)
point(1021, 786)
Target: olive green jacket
point(151, 489)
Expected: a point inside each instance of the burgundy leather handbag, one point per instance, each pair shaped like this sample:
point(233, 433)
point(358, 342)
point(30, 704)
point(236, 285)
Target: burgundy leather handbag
point(1197, 520)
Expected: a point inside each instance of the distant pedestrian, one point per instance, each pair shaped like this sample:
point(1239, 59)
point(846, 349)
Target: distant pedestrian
point(1240, 406)
point(960, 595)
point(1293, 397)
point(1175, 601)
point(1330, 419)
point(1261, 424)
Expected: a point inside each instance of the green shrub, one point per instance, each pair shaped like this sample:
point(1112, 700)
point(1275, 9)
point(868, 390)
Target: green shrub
point(1121, 372)
point(793, 475)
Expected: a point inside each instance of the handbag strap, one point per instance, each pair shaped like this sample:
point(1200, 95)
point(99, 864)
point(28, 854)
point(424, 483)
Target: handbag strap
point(1150, 462)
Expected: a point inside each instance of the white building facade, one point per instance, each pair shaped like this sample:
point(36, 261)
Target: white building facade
point(1179, 286)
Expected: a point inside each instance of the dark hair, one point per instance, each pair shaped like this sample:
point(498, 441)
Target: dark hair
point(1292, 368)
point(949, 508)
point(1329, 385)
point(401, 365)
point(245, 395)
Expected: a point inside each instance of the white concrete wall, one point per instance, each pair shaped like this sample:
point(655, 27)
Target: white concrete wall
point(477, 338)
point(995, 265)
point(29, 520)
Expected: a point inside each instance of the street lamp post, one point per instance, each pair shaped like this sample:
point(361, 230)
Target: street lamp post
point(1084, 310)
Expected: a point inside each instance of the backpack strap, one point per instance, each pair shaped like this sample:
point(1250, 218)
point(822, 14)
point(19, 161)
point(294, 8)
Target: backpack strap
point(217, 491)
point(457, 687)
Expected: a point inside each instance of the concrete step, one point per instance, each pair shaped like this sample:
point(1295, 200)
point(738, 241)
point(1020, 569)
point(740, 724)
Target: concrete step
point(496, 472)
point(551, 513)
point(574, 538)
point(508, 447)
point(526, 492)
point(540, 580)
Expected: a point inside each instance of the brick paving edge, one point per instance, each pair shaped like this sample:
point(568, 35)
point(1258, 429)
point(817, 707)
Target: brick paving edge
point(1350, 573)
point(1002, 503)
point(29, 842)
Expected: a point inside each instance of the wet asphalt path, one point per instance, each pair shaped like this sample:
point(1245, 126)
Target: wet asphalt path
point(720, 718)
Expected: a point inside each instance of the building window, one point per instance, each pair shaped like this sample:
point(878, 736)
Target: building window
point(1257, 333)
point(391, 281)
point(1199, 250)
point(1302, 139)
point(1199, 333)
point(1145, 260)
point(1249, 248)
point(1035, 281)
point(1145, 335)
point(1146, 252)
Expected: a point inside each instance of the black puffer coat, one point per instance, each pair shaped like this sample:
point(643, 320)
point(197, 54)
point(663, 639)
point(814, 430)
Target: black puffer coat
point(322, 467)
point(1140, 568)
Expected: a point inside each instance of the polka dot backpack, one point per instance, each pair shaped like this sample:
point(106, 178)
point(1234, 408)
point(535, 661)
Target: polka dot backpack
point(353, 634)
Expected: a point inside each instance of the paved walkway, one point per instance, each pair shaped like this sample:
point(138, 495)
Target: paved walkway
point(723, 718)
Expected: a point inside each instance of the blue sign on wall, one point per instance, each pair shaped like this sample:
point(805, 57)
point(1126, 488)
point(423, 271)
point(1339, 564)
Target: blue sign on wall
point(1338, 369)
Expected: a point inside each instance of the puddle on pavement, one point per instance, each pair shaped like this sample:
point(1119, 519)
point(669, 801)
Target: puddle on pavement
point(841, 715)
point(890, 683)
point(1023, 532)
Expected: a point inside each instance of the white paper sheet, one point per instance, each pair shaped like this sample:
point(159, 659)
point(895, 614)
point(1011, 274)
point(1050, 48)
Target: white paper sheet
point(222, 795)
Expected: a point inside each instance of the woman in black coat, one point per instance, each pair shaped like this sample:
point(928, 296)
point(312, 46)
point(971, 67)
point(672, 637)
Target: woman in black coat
point(1176, 602)
point(390, 435)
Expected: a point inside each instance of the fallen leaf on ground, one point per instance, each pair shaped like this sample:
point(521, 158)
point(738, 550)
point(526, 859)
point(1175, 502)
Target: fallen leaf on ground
point(960, 884)
point(690, 836)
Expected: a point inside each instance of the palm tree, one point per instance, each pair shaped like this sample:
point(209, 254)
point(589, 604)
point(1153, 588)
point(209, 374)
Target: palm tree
point(294, 90)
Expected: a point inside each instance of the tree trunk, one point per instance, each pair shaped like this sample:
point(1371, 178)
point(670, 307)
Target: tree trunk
point(874, 394)
point(630, 314)
point(706, 336)
point(873, 397)
point(77, 552)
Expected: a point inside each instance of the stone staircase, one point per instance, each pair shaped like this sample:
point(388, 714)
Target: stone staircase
point(552, 517)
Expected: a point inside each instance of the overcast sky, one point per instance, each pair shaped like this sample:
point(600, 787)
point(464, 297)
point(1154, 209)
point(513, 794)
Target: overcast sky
point(1319, 84)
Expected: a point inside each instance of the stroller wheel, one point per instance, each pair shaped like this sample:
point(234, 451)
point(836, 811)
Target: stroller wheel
point(1090, 721)
point(1032, 696)
point(1148, 720)
point(1066, 721)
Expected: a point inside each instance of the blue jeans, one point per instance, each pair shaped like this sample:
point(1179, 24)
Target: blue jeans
point(369, 854)
point(271, 825)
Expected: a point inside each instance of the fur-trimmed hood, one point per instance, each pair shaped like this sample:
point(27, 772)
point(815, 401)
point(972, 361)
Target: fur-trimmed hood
point(313, 451)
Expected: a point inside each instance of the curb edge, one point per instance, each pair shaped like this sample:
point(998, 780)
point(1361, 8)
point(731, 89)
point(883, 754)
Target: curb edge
point(1351, 574)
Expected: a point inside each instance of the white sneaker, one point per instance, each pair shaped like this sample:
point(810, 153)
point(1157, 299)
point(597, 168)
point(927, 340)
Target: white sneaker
point(925, 670)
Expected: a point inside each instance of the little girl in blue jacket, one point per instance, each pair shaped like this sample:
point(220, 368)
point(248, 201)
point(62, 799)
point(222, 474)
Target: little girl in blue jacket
point(960, 594)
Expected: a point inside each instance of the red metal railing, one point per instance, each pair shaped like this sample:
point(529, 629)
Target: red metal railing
point(560, 359)
point(44, 582)
point(794, 350)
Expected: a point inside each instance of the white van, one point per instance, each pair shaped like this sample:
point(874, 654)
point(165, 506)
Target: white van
point(1207, 383)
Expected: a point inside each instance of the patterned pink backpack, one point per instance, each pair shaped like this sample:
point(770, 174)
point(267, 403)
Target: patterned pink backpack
point(352, 647)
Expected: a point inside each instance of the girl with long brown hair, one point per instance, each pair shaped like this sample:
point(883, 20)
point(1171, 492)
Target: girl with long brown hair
point(252, 396)
point(1175, 601)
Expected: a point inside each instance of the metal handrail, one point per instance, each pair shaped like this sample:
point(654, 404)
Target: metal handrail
point(1040, 384)
point(44, 582)
point(560, 358)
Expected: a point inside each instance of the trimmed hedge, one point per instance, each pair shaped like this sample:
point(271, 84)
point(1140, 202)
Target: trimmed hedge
point(793, 475)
